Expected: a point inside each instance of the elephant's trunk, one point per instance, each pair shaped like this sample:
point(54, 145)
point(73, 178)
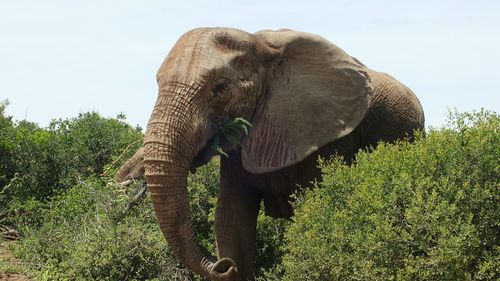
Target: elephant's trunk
point(167, 157)
point(167, 185)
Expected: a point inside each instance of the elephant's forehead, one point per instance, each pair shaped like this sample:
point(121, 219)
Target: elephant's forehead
point(200, 52)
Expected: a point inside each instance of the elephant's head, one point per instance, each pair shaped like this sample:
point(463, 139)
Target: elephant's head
point(297, 89)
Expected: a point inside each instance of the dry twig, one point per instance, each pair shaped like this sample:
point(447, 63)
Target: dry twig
point(135, 201)
point(9, 233)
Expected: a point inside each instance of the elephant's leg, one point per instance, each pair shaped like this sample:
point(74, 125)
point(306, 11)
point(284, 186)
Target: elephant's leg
point(235, 224)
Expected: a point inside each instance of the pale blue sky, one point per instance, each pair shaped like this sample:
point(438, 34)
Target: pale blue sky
point(61, 58)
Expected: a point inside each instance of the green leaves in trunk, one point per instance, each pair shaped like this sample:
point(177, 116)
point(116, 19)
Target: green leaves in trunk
point(230, 131)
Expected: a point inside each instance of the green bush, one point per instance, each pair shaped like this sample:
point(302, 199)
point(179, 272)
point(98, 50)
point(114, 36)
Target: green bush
point(85, 236)
point(6, 146)
point(92, 141)
point(270, 244)
point(202, 190)
point(43, 162)
point(422, 211)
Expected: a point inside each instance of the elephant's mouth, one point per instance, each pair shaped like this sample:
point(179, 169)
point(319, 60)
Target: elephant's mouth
point(208, 151)
point(204, 155)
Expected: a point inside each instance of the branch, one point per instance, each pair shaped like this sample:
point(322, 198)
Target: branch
point(9, 233)
point(135, 201)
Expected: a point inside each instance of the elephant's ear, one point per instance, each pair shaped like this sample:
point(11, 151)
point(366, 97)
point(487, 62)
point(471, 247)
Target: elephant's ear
point(315, 93)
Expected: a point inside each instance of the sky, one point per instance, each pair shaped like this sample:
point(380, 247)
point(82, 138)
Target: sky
point(62, 58)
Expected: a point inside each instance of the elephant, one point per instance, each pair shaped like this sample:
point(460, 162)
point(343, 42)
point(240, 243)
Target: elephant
point(304, 98)
point(132, 169)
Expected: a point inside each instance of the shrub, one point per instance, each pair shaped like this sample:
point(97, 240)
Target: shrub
point(421, 211)
point(202, 190)
point(93, 141)
point(84, 236)
point(43, 162)
point(270, 244)
point(6, 146)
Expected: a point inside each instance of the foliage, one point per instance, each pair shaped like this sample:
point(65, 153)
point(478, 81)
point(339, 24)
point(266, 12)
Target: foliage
point(82, 238)
point(85, 236)
point(422, 211)
point(6, 146)
point(202, 190)
point(43, 162)
point(71, 218)
point(270, 243)
point(94, 140)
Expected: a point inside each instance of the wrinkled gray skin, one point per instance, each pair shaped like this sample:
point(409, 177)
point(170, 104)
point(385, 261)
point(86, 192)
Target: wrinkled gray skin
point(132, 169)
point(213, 75)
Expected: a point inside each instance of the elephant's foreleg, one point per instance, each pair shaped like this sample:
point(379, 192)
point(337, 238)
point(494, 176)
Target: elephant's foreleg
point(235, 224)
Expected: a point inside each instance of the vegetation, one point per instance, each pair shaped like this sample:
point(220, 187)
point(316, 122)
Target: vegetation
point(421, 211)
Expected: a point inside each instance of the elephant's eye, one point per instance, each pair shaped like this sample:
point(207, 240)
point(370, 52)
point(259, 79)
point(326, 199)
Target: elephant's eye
point(219, 88)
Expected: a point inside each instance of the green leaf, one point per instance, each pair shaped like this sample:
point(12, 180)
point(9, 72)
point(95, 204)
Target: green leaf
point(230, 131)
point(243, 121)
point(222, 152)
